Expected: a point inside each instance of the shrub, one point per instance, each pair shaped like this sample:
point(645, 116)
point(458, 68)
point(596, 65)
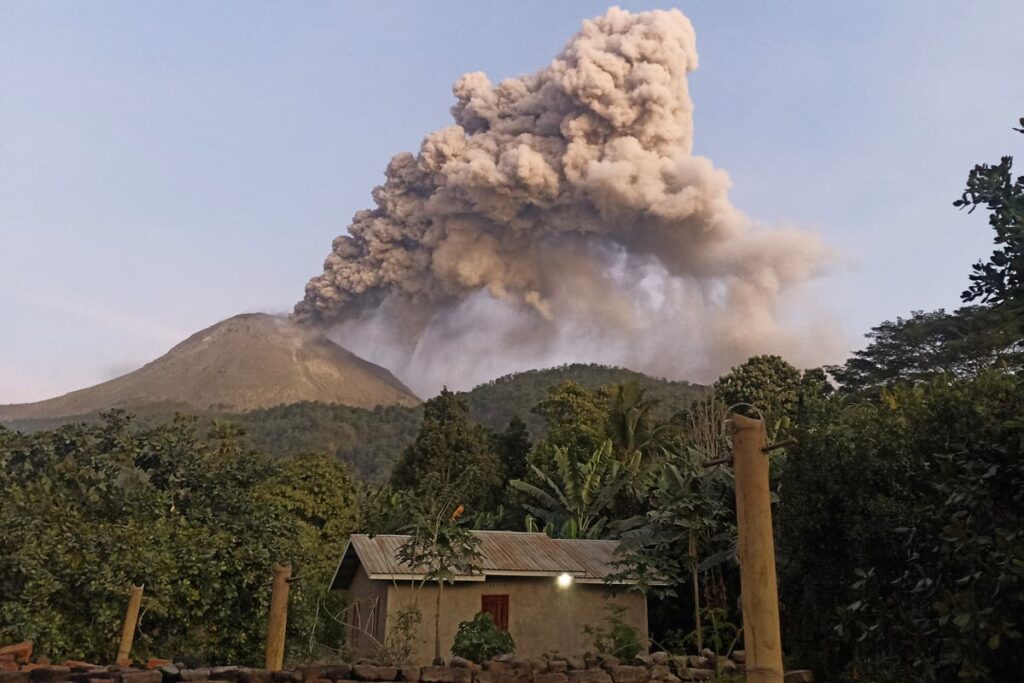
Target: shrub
point(615, 637)
point(479, 640)
point(400, 641)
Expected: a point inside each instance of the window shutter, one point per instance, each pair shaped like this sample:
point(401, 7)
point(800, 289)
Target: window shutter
point(497, 607)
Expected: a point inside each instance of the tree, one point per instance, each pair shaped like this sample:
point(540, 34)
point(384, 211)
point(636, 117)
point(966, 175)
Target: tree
point(440, 547)
point(197, 516)
point(688, 526)
point(1001, 279)
point(632, 424)
point(900, 519)
point(767, 382)
point(960, 344)
point(574, 502)
point(318, 493)
point(450, 453)
point(576, 420)
point(513, 449)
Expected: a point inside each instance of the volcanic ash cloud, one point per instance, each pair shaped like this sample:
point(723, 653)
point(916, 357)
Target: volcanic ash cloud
point(563, 217)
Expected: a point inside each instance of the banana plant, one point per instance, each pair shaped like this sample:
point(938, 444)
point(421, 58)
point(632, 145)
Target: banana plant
point(574, 503)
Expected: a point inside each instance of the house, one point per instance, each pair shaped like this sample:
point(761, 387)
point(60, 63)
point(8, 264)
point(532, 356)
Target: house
point(543, 591)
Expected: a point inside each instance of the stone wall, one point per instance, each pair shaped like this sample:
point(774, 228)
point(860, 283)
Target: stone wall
point(656, 668)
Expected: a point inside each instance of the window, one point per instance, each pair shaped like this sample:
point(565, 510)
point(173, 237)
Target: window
point(497, 607)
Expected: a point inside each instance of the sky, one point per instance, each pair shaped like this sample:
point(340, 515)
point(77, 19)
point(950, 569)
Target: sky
point(167, 165)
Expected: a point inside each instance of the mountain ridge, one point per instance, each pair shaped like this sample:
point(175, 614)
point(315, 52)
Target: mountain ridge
point(243, 363)
point(371, 439)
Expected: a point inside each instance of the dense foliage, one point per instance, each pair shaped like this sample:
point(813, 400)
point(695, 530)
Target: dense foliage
point(449, 453)
point(367, 440)
point(370, 440)
point(197, 517)
point(1000, 280)
point(493, 404)
point(902, 528)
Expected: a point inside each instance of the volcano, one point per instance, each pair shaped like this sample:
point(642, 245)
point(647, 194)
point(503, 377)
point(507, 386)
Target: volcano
point(243, 363)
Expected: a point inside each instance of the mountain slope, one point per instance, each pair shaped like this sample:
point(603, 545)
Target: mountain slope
point(495, 402)
point(243, 363)
point(371, 440)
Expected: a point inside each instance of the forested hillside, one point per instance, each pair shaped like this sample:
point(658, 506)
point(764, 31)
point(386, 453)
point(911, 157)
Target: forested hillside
point(495, 403)
point(369, 440)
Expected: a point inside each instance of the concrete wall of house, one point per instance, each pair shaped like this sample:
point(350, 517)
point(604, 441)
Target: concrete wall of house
point(366, 614)
point(541, 616)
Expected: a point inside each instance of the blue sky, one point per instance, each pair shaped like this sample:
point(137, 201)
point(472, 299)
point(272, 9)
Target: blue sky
point(166, 165)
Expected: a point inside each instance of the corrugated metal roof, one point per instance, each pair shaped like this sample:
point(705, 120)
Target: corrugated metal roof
point(502, 553)
point(597, 557)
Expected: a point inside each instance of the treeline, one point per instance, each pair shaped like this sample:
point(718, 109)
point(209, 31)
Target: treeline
point(370, 440)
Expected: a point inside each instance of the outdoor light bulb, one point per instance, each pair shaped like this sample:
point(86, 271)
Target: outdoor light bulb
point(564, 580)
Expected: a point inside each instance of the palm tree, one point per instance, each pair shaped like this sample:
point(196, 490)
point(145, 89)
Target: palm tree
point(632, 424)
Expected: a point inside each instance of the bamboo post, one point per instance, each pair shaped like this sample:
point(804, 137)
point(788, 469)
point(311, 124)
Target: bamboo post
point(278, 620)
point(131, 620)
point(763, 643)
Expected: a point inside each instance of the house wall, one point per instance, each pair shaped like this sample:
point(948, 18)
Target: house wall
point(366, 614)
point(542, 617)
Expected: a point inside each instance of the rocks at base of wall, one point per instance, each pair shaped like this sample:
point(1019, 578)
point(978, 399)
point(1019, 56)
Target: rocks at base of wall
point(334, 672)
point(520, 675)
point(48, 673)
point(589, 676)
point(370, 672)
point(628, 674)
point(445, 674)
point(658, 667)
point(659, 672)
point(248, 675)
point(576, 662)
point(142, 677)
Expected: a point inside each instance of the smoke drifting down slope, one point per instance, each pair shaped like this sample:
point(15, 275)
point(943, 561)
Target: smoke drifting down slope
point(564, 217)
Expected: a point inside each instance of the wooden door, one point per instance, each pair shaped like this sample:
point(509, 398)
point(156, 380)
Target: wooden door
point(497, 607)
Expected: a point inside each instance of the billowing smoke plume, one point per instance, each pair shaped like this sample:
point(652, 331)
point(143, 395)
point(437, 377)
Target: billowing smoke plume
point(563, 217)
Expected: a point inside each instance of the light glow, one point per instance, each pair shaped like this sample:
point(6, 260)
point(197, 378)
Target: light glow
point(564, 580)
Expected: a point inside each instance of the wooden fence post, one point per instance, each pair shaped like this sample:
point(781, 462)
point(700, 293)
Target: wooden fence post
point(761, 632)
point(131, 620)
point(278, 620)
